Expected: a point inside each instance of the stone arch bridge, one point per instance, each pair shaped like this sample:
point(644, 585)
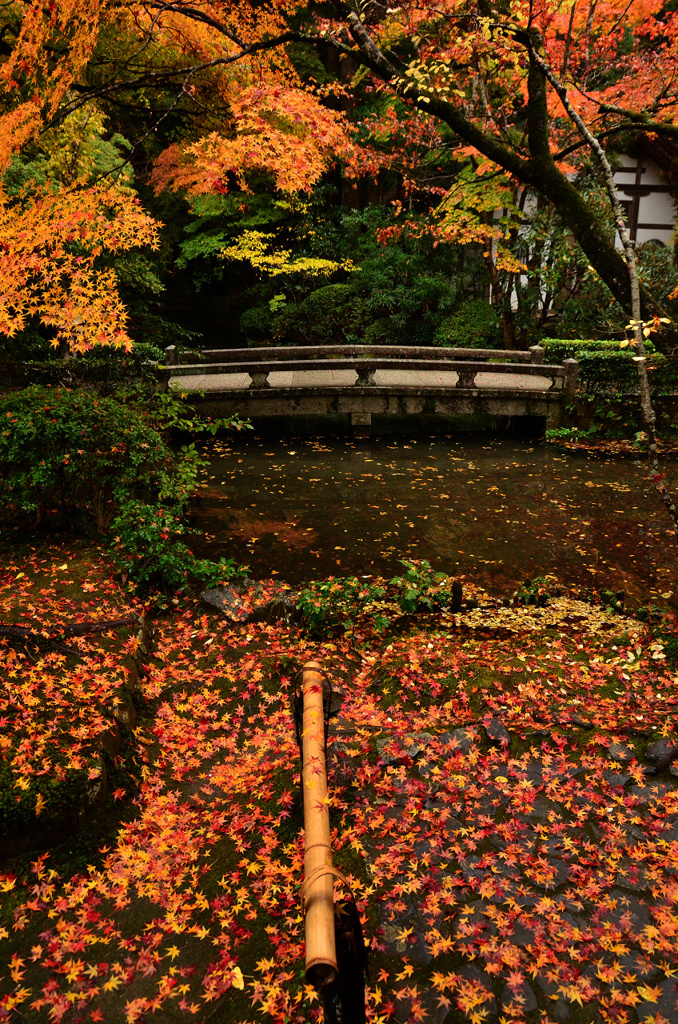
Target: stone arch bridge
point(361, 386)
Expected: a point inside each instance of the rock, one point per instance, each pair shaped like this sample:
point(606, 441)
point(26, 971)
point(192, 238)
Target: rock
point(621, 753)
point(644, 969)
point(497, 733)
point(246, 601)
point(125, 712)
point(110, 739)
point(559, 873)
point(457, 594)
point(661, 754)
point(523, 996)
point(617, 779)
point(397, 750)
point(482, 981)
point(558, 1006)
point(278, 609)
point(581, 722)
point(666, 1005)
point(459, 739)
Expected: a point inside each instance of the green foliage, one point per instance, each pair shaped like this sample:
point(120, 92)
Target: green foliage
point(591, 309)
point(474, 324)
point(537, 591)
point(328, 604)
point(398, 295)
point(422, 588)
point(101, 366)
point(609, 600)
point(558, 349)
point(571, 433)
point(605, 367)
point(100, 464)
point(325, 316)
point(148, 550)
point(73, 456)
point(170, 410)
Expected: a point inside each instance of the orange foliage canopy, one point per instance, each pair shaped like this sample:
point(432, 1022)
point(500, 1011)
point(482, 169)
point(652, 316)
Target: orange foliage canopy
point(284, 131)
point(260, 120)
point(473, 71)
point(48, 263)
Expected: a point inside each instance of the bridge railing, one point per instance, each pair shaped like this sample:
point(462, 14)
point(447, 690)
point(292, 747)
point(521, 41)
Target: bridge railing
point(364, 360)
point(175, 357)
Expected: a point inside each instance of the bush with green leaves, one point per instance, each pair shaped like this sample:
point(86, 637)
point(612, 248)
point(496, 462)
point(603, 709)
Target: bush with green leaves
point(558, 349)
point(474, 324)
point(149, 550)
point(422, 588)
point(606, 366)
point(537, 591)
point(397, 292)
point(73, 456)
point(337, 603)
point(100, 365)
point(95, 463)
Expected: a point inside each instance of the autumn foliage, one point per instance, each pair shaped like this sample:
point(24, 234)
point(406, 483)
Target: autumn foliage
point(443, 78)
point(49, 265)
point(479, 869)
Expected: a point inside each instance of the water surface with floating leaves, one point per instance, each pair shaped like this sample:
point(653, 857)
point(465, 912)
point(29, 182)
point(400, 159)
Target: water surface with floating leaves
point(498, 510)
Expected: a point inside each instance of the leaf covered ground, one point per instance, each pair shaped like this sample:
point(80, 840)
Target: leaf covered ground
point(511, 854)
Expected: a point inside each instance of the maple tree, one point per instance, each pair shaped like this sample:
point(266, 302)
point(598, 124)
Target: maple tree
point(495, 75)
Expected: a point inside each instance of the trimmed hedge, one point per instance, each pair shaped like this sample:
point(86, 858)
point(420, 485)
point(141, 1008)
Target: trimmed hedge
point(98, 366)
point(605, 367)
point(558, 349)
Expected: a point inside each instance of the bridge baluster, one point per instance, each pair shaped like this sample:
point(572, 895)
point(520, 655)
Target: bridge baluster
point(259, 379)
point(365, 376)
point(466, 378)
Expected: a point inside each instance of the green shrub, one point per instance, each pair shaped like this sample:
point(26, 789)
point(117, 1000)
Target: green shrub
point(604, 366)
point(329, 315)
point(557, 349)
point(537, 591)
point(99, 365)
point(421, 587)
point(149, 552)
point(74, 456)
point(474, 324)
point(328, 604)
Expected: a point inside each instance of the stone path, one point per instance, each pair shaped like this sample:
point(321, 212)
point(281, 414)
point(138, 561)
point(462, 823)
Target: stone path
point(347, 378)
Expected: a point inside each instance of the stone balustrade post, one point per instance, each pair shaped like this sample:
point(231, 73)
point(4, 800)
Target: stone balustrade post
point(259, 378)
point(571, 367)
point(536, 354)
point(171, 358)
point(466, 378)
point(365, 376)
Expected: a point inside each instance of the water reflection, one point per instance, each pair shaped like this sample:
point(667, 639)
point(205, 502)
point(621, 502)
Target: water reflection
point(498, 510)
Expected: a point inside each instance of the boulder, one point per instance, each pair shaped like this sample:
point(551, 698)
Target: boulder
point(254, 601)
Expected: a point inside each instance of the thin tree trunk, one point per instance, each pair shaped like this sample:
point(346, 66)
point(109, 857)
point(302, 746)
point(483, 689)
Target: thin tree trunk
point(640, 359)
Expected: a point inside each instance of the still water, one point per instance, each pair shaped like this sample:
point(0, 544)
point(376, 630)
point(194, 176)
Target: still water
point(496, 510)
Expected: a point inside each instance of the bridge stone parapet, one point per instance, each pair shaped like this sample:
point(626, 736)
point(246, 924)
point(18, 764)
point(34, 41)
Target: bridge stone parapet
point(358, 383)
point(363, 408)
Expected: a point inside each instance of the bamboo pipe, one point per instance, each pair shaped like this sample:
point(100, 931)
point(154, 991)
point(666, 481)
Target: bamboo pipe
point(321, 955)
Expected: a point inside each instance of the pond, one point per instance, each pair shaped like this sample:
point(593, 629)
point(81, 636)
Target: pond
point(497, 510)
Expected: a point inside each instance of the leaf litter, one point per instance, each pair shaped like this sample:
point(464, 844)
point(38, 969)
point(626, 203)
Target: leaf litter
point(503, 874)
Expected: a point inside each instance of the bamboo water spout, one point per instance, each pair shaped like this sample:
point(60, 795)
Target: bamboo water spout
point(318, 889)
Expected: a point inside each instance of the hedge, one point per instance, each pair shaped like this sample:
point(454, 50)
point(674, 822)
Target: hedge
point(605, 367)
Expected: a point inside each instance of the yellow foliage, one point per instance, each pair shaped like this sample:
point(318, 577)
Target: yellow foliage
point(252, 247)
